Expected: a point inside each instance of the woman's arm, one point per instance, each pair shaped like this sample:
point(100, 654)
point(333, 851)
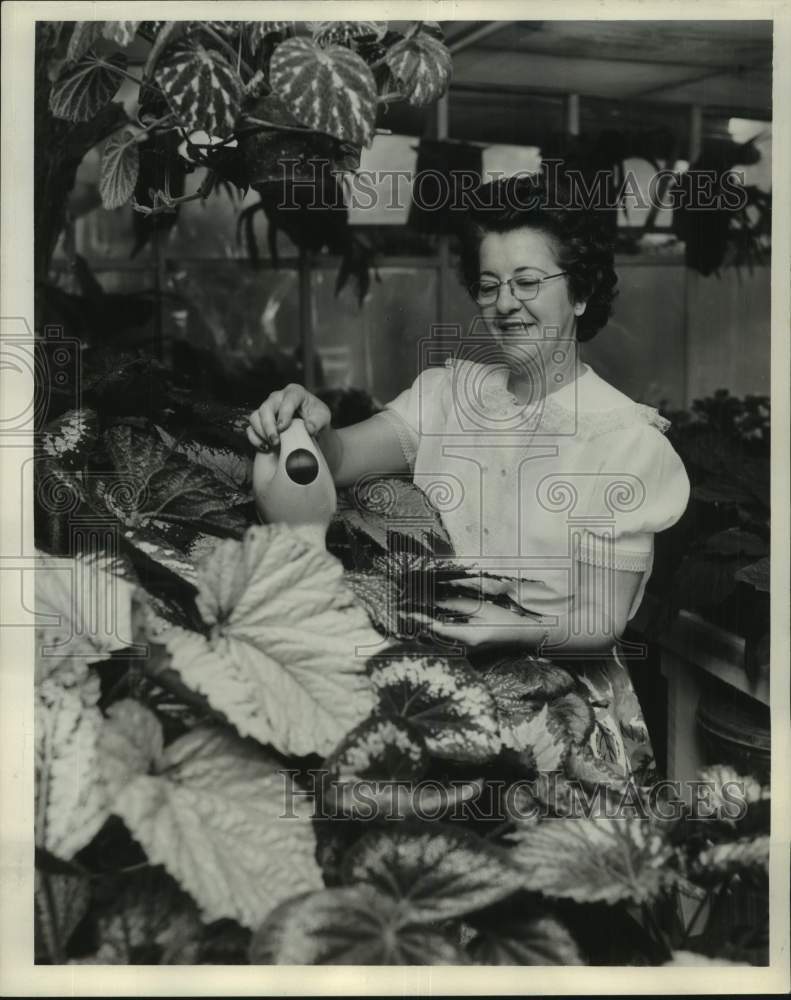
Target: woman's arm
point(597, 616)
point(370, 446)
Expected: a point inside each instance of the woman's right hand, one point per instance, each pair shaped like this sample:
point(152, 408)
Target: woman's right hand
point(278, 410)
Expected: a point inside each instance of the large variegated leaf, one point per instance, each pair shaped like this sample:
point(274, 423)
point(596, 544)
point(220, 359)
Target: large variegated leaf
point(329, 89)
point(82, 90)
point(390, 504)
point(229, 466)
point(376, 772)
point(715, 863)
point(121, 32)
point(540, 941)
point(119, 168)
point(61, 901)
point(149, 922)
point(594, 860)
point(381, 600)
point(156, 488)
point(537, 736)
point(444, 698)
point(575, 715)
point(203, 90)
point(516, 679)
point(728, 796)
point(286, 659)
point(215, 810)
point(584, 766)
point(349, 926)
point(83, 37)
point(438, 873)
point(70, 437)
point(373, 770)
point(70, 799)
point(155, 549)
point(421, 67)
point(84, 609)
point(757, 574)
point(380, 749)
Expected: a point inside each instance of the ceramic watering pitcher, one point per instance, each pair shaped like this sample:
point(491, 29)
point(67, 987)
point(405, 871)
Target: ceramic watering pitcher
point(293, 484)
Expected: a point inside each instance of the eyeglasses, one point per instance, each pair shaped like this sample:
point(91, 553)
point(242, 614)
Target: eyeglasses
point(522, 288)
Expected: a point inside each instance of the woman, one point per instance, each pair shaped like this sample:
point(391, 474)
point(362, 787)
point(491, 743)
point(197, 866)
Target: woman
point(549, 476)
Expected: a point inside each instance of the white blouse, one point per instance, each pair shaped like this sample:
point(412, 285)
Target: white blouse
point(526, 489)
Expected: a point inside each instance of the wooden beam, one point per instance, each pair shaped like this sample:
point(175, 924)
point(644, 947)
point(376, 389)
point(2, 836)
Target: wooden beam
point(476, 35)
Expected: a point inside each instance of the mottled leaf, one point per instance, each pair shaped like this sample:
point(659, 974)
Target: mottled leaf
point(285, 661)
point(444, 698)
point(203, 90)
point(537, 736)
point(82, 90)
point(70, 798)
point(719, 861)
point(61, 903)
point(516, 679)
point(541, 941)
point(121, 32)
point(439, 873)
point(385, 505)
point(375, 772)
point(217, 812)
point(729, 794)
point(148, 921)
point(330, 89)
point(757, 574)
point(326, 33)
point(70, 437)
point(594, 860)
point(381, 600)
point(153, 487)
point(575, 715)
point(119, 168)
point(421, 67)
point(349, 926)
point(735, 542)
point(226, 464)
point(584, 766)
point(84, 611)
point(381, 749)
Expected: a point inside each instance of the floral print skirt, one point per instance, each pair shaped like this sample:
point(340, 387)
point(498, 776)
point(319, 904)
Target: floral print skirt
point(620, 736)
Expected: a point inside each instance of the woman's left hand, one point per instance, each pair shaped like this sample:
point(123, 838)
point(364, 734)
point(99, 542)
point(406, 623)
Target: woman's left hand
point(489, 624)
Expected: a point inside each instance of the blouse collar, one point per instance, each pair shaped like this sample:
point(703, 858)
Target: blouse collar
point(562, 411)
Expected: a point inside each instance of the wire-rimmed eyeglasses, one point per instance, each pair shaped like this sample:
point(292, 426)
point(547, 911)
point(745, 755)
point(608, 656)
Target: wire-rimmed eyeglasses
point(521, 287)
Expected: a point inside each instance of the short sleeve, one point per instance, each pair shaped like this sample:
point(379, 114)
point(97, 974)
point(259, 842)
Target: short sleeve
point(638, 487)
point(416, 410)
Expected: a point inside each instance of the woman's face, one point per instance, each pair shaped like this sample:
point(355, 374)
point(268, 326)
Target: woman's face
point(527, 331)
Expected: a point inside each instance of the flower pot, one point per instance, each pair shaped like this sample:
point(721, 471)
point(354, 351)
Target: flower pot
point(735, 729)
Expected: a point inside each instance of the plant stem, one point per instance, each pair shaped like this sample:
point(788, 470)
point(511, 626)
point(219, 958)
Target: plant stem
point(170, 203)
point(167, 31)
point(128, 76)
point(229, 49)
point(274, 126)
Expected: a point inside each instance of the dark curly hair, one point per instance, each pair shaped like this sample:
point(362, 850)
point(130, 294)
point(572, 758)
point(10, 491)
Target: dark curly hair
point(545, 201)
